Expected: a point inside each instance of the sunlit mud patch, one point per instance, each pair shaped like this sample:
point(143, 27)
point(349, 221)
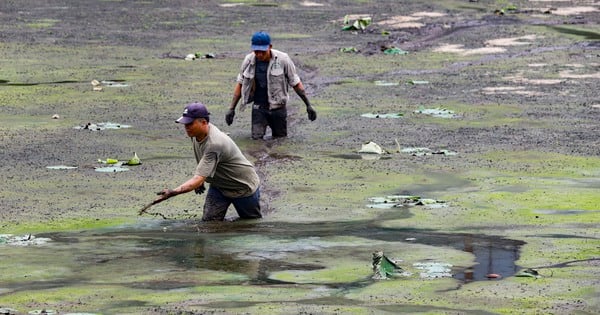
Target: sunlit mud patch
point(101, 126)
point(507, 90)
point(459, 49)
point(564, 11)
point(412, 21)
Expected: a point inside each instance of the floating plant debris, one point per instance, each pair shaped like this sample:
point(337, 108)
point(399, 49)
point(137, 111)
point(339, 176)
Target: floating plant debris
point(386, 83)
point(397, 201)
point(388, 115)
point(436, 112)
point(134, 160)
point(60, 167)
point(112, 169)
point(384, 268)
point(101, 126)
point(371, 147)
point(531, 273)
point(433, 270)
point(422, 151)
point(22, 240)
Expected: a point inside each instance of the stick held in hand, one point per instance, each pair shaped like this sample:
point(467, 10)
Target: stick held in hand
point(146, 207)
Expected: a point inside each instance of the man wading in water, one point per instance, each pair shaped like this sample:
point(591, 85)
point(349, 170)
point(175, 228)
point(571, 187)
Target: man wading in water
point(264, 80)
point(232, 178)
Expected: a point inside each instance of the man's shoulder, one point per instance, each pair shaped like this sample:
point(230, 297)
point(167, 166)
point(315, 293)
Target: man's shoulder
point(280, 54)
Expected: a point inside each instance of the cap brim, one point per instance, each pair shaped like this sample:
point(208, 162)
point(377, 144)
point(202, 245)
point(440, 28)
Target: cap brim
point(260, 47)
point(185, 120)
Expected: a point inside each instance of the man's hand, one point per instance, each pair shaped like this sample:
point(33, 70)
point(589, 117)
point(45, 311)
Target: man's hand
point(164, 195)
point(200, 190)
point(312, 114)
point(229, 117)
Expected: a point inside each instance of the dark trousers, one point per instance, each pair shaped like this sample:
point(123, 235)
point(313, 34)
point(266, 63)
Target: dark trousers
point(216, 204)
point(275, 119)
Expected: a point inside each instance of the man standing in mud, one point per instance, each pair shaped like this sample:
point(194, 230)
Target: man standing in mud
point(264, 80)
point(232, 178)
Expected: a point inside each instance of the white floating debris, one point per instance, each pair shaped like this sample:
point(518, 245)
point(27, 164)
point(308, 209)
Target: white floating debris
point(371, 147)
point(101, 126)
point(388, 115)
point(60, 167)
point(111, 169)
point(432, 270)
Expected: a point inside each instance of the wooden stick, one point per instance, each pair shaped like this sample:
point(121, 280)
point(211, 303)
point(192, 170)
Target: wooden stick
point(146, 207)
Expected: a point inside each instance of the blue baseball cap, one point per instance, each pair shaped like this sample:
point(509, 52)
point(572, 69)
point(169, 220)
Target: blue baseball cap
point(261, 41)
point(193, 111)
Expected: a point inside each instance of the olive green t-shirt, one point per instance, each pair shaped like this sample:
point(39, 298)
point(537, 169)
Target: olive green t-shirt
point(224, 166)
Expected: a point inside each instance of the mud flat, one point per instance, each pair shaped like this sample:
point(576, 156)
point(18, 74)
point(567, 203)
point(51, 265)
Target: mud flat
point(487, 111)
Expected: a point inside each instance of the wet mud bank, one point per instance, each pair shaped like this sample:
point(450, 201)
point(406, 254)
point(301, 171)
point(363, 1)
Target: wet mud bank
point(489, 107)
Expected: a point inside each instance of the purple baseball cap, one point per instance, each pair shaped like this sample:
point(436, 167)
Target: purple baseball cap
point(193, 111)
point(261, 41)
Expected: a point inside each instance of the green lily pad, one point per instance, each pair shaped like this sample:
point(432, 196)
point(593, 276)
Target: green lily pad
point(348, 50)
point(358, 25)
point(395, 51)
point(384, 268)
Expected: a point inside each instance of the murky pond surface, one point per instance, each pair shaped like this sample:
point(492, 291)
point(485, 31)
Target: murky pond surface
point(236, 253)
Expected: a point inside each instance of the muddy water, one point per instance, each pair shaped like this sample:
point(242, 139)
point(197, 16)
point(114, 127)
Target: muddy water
point(251, 251)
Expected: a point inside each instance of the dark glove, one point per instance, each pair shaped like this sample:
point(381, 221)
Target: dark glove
point(229, 117)
point(200, 190)
point(312, 114)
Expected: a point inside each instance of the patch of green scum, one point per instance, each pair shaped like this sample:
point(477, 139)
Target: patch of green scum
point(42, 23)
point(147, 274)
point(344, 65)
point(351, 271)
point(67, 224)
point(242, 293)
point(479, 116)
point(543, 164)
point(411, 291)
point(546, 250)
point(318, 185)
point(27, 266)
point(565, 34)
point(92, 297)
point(286, 36)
